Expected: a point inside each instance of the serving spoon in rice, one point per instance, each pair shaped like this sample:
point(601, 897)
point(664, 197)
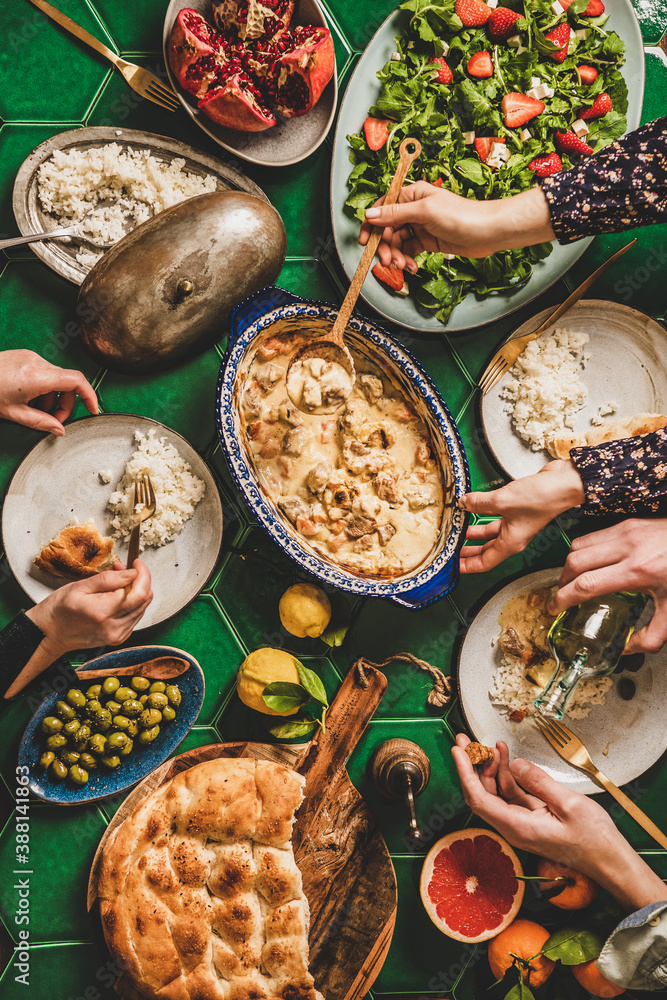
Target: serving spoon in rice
point(56, 234)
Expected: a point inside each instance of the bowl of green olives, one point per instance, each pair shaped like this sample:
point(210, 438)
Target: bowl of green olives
point(96, 739)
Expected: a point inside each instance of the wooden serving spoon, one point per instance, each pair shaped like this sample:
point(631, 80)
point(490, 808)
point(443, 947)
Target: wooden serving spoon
point(332, 347)
point(162, 668)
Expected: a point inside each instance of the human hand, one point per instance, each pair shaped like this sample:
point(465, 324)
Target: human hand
point(535, 813)
point(93, 612)
point(431, 218)
point(526, 506)
point(38, 394)
point(631, 555)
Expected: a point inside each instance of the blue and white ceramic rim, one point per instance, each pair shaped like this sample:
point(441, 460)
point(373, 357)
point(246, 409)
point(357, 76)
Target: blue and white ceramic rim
point(420, 389)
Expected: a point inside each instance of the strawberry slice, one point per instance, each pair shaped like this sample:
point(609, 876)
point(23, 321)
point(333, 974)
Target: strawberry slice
point(545, 166)
point(519, 109)
point(473, 13)
point(483, 145)
point(594, 9)
point(601, 106)
point(444, 74)
point(501, 24)
point(438, 183)
point(560, 36)
point(587, 74)
point(376, 131)
point(391, 276)
point(480, 65)
point(568, 142)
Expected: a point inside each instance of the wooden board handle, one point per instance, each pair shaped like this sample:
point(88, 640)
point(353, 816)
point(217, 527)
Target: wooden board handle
point(347, 718)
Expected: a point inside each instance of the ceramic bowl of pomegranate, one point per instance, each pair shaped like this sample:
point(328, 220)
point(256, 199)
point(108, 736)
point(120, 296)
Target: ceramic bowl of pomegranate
point(364, 499)
point(260, 79)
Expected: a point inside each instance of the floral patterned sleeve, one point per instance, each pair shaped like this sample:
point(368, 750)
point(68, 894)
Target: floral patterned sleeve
point(625, 477)
point(622, 186)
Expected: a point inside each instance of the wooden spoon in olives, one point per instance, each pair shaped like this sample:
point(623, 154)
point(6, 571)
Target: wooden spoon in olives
point(162, 668)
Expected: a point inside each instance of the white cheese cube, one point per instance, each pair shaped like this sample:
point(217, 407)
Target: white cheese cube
point(539, 93)
point(580, 127)
point(557, 8)
point(582, 33)
point(514, 41)
point(535, 81)
point(498, 155)
point(526, 134)
point(572, 33)
point(492, 3)
point(522, 48)
point(445, 48)
point(533, 93)
point(549, 92)
point(468, 138)
point(449, 256)
point(396, 57)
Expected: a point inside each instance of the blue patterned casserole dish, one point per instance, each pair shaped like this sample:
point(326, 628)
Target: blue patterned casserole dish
point(250, 325)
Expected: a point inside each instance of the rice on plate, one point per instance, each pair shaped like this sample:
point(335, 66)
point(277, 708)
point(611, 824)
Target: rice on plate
point(177, 492)
point(133, 184)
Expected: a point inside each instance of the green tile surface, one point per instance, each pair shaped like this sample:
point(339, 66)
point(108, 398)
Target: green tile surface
point(68, 87)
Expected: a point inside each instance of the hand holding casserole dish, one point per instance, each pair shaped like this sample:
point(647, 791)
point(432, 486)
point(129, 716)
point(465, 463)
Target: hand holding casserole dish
point(365, 500)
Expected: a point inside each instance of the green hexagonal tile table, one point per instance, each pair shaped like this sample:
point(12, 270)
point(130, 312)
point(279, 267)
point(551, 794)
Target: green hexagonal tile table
point(60, 84)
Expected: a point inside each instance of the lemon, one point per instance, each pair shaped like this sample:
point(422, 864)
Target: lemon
point(263, 667)
point(305, 610)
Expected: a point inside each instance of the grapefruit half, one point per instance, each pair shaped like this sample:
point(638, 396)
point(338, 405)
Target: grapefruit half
point(469, 885)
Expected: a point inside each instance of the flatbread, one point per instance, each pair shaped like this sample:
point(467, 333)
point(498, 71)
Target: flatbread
point(612, 430)
point(200, 895)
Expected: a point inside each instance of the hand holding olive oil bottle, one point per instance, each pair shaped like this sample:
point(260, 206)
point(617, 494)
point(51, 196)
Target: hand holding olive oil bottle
point(588, 641)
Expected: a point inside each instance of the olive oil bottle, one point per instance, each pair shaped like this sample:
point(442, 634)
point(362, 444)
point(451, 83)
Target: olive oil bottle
point(588, 641)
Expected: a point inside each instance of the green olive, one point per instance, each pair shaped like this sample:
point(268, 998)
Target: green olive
point(70, 757)
point(110, 760)
point(133, 727)
point(51, 725)
point(65, 711)
point(71, 727)
point(93, 707)
point(157, 700)
point(120, 722)
point(127, 749)
point(143, 699)
point(56, 742)
point(76, 698)
point(150, 718)
point(97, 743)
point(132, 707)
point(113, 706)
point(103, 720)
point(168, 713)
point(173, 694)
point(157, 687)
point(117, 740)
point(81, 736)
point(124, 694)
point(94, 691)
point(111, 685)
point(78, 775)
point(140, 683)
point(88, 761)
point(147, 736)
point(47, 759)
point(57, 770)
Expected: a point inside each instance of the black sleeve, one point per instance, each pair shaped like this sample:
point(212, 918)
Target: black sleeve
point(625, 477)
point(621, 187)
point(18, 641)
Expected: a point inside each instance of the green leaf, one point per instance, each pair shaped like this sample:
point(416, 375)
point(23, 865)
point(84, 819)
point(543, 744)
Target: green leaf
point(572, 946)
point(578, 6)
point(473, 170)
point(312, 683)
point(282, 696)
point(298, 725)
point(520, 992)
point(341, 617)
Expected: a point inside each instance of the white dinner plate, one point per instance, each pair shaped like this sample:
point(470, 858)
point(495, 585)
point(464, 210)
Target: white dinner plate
point(626, 366)
point(361, 93)
point(58, 481)
point(633, 731)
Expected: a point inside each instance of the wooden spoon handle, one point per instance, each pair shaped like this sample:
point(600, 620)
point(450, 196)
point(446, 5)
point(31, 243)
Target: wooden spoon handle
point(162, 667)
point(409, 150)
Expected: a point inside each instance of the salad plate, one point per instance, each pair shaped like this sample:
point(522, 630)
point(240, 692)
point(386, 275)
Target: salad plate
point(362, 93)
point(291, 140)
point(142, 761)
point(59, 481)
point(609, 732)
point(621, 340)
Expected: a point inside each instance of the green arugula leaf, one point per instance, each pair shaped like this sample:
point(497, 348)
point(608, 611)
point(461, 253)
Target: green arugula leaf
point(572, 946)
point(312, 683)
point(282, 696)
point(473, 170)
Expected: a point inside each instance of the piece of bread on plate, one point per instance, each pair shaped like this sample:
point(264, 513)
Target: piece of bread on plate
point(613, 430)
point(79, 551)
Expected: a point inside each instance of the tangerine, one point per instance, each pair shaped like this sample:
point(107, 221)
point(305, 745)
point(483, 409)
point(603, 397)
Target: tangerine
point(589, 976)
point(523, 940)
point(579, 890)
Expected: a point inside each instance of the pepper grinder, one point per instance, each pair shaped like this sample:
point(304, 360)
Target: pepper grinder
point(400, 769)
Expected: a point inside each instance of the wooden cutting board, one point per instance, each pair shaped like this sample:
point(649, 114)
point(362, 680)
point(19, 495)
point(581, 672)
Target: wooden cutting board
point(348, 875)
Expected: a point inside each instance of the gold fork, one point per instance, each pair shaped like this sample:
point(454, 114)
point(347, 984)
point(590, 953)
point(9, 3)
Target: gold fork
point(141, 80)
point(570, 748)
point(506, 355)
point(143, 494)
